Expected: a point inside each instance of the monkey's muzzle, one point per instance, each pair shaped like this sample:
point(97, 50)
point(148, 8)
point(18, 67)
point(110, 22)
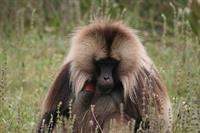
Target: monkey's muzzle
point(105, 86)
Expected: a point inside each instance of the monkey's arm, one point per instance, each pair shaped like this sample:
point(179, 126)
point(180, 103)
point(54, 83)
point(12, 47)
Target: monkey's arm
point(151, 95)
point(60, 94)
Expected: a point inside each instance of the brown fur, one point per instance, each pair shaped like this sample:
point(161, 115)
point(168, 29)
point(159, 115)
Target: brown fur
point(99, 40)
point(90, 43)
point(106, 108)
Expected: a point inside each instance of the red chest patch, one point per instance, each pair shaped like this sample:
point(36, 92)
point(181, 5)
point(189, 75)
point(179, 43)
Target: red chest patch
point(90, 87)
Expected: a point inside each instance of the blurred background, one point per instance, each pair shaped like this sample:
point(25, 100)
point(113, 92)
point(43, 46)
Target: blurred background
point(61, 15)
point(34, 39)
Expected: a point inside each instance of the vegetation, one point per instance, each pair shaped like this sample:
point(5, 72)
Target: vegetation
point(34, 39)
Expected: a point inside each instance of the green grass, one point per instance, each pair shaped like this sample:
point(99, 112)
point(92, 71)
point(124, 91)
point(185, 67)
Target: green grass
point(31, 63)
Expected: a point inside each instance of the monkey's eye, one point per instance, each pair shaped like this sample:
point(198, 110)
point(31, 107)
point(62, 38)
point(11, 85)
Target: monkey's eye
point(115, 65)
point(116, 62)
point(97, 67)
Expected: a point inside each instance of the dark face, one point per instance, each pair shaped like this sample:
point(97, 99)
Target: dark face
point(106, 71)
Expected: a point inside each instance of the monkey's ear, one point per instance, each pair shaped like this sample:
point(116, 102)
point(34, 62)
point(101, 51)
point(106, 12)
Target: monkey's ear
point(60, 92)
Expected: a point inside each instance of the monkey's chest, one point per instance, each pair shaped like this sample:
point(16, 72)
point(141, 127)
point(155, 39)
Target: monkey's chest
point(94, 111)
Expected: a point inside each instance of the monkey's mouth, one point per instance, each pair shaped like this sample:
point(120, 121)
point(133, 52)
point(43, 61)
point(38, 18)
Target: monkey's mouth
point(105, 89)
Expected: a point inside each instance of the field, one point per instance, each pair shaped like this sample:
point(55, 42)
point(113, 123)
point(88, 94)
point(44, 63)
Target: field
point(31, 55)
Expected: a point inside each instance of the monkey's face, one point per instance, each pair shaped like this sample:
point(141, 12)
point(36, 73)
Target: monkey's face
point(96, 43)
point(106, 71)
